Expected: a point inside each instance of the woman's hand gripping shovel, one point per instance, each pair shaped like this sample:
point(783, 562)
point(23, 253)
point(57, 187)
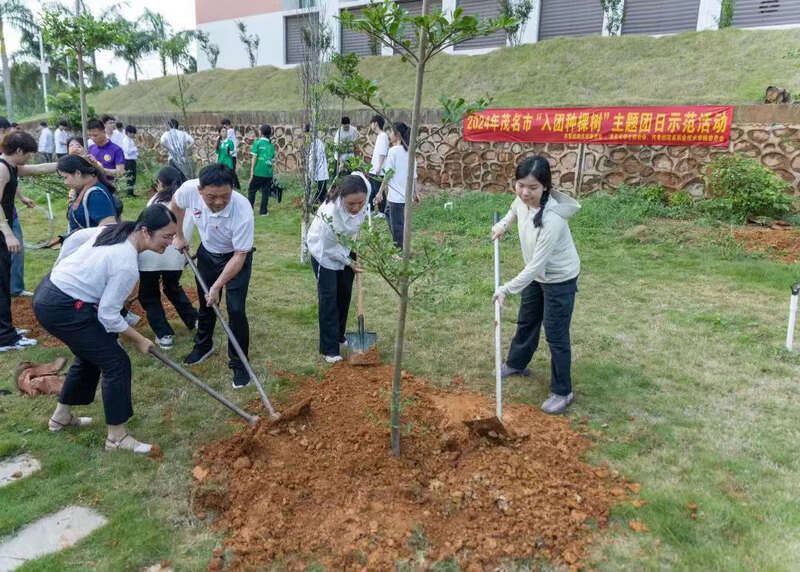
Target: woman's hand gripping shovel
point(291, 412)
point(492, 427)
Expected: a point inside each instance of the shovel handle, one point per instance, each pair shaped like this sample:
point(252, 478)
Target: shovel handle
point(251, 419)
point(232, 339)
point(360, 294)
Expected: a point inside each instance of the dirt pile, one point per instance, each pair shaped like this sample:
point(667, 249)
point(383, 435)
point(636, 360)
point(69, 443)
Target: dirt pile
point(326, 488)
point(780, 242)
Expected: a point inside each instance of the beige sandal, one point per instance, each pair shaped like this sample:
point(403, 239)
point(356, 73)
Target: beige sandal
point(128, 443)
point(54, 425)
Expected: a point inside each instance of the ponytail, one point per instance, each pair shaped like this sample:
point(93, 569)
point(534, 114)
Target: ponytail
point(537, 219)
point(153, 218)
point(403, 131)
point(76, 164)
point(171, 178)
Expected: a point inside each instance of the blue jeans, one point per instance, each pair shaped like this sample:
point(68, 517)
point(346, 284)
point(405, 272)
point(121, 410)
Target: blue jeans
point(551, 304)
point(17, 261)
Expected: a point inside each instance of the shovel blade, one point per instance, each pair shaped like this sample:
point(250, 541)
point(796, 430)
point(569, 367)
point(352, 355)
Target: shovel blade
point(361, 343)
point(295, 410)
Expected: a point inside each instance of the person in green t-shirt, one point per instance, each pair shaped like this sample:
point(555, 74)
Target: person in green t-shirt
point(261, 171)
point(226, 152)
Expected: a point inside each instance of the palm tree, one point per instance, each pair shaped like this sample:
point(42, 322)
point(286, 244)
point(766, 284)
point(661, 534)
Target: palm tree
point(133, 45)
point(159, 30)
point(13, 13)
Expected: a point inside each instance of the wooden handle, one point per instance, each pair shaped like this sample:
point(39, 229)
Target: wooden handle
point(360, 294)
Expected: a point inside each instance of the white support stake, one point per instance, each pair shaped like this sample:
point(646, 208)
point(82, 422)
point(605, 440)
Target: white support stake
point(792, 316)
point(498, 358)
point(49, 206)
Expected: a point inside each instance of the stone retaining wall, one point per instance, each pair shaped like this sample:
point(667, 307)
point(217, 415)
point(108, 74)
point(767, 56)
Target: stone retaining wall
point(768, 132)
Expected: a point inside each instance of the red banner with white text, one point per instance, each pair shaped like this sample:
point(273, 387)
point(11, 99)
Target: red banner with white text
point(706, 125)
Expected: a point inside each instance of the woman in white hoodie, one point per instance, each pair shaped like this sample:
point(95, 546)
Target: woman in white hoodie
point(340, 216)
point(549, 280)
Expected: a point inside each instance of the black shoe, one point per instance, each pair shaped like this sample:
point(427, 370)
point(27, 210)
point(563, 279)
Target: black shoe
point(198, 356)
point(240, 378)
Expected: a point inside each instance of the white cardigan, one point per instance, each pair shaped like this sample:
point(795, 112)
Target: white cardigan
point(549, 253)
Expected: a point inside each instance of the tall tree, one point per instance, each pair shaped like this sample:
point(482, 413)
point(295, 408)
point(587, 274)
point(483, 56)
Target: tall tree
point(132, 45)
point(250, 42)
point(210, 49)
point(13, 14)
point(78, 34)
point(176, 50)
point(433, 33)
point(160, 31)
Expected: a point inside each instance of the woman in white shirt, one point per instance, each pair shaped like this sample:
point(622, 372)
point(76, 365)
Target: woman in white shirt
point(340, 216)
point(396, 169)
point(79, 303)
point(158, 271)
point(548, 282)
point(318, 166)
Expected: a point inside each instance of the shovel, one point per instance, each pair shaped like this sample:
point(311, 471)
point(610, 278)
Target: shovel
point(492, 427)
point(293, 411)
point(362, 343)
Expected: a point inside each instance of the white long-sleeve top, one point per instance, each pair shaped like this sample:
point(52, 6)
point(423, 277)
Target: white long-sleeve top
point(317, 153)
point(102, 275)
point(548, 251)
point(170, 259)
point(322, 240)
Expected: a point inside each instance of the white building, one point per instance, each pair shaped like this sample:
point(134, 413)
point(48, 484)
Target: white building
point(278, 23)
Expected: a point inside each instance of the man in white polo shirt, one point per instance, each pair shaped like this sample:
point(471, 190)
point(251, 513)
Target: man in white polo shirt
point(224, 219)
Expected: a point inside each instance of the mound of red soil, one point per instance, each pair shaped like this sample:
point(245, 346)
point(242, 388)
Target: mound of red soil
point(779, 242)
point(327, 488)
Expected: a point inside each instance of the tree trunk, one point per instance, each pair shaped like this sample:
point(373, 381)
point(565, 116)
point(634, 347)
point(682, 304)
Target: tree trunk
point(81, 87)
point(401, 318)
point(163, 64)
point(6, 73)
point(135, 75)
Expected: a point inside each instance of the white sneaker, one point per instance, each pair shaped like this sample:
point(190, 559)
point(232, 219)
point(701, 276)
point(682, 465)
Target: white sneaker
point(21, 344)
point(23, 294)
point(165, 342)
point(333, 359)
point(380, 215)
point(132, 319)
point(22, 331)
point(557, 404)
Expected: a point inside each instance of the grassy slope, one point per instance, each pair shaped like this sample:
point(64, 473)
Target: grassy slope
point(730, 66)
point(677, 364)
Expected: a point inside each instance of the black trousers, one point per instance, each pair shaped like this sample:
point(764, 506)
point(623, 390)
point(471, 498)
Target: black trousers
point(322, 191)
point(334, 289)
point(8, 333)
point(130, 174)
point(396, 217)
point(263, 184)
point(97, 353)
point(210, 266)
point(375, 185)
point(150, 298)
point(551, 304)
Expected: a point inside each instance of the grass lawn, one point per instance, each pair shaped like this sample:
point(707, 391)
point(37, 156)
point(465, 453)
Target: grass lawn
point(678, 369)
point(729, 66)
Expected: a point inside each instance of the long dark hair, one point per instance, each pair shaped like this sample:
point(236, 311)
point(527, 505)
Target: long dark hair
point(403, 131)
point(152, 218)
point(75, 164)
point(171, 178)
point(538, 167)
point(348, 185)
